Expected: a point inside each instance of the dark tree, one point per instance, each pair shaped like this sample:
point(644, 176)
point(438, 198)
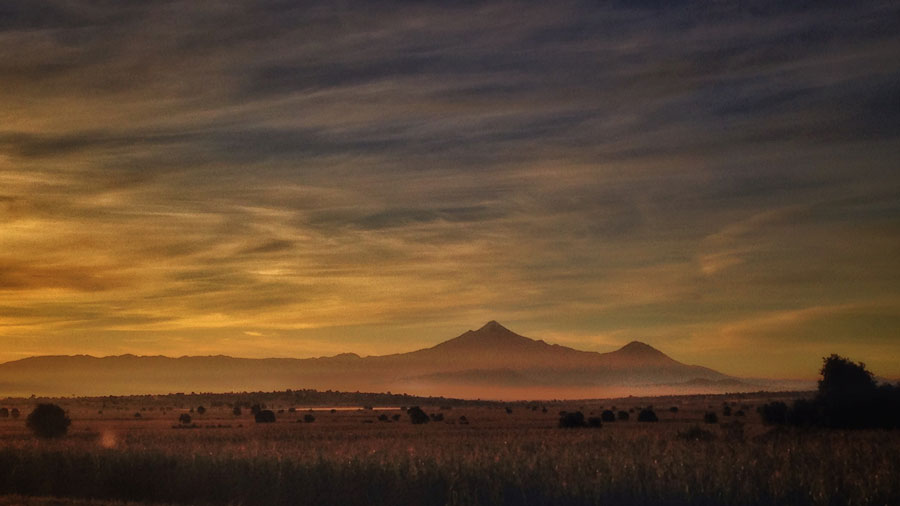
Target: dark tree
point(48, 421)
point(571, 420)
point(647, 415)
point(417, 416)
point(773, 413)
point(201, 410)
point(265, 416)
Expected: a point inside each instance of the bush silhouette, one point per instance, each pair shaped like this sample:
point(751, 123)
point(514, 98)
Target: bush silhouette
point(14, 413)
point(4, 413)
point(201, 410)
point(710, 417)
point(185, 419)
point(595, 421)
point(773, 413)
point(623, 416)
point(571, 420)
point(437, 417)
point(48, 421)
point(265, 416)
point(726, 411)
point(608, 416)
point(308, 418)
point(417, 416)
point(237, 411)
point(695, 433)
point(647, 415)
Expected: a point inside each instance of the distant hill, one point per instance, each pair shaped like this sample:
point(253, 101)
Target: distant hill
point(491, 363)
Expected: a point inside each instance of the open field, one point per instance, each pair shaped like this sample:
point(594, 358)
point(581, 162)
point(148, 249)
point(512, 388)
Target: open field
point(522, 457)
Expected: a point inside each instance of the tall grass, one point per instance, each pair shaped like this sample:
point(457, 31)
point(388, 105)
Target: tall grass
point(443, 465)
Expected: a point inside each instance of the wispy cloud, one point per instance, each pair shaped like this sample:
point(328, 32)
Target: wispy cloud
point(373, 177)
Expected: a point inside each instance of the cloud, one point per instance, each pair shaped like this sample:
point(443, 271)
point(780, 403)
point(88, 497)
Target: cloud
point(620, 170)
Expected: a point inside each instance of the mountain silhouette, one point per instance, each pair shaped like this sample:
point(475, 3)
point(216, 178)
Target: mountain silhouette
point(491, 362)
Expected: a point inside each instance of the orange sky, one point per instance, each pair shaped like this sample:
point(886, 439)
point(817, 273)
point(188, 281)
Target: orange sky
point(312, 181)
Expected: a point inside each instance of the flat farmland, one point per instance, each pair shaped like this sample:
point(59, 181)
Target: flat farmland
point(488, 454)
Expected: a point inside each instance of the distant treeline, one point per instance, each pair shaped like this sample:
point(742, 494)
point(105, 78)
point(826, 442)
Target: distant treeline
point(286, 398)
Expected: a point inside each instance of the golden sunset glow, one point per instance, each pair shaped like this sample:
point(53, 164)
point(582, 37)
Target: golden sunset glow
point(189, 180)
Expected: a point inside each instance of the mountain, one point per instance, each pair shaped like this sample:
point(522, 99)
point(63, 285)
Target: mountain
point(492, 362)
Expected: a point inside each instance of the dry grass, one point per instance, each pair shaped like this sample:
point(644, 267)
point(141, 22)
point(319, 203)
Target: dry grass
point(349, 457)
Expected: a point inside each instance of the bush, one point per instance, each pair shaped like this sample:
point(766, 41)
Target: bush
point(236, 411)
point(773, 413)
point(608, 416)
point(201, 410)
point(726, 411)
point(710, 417)
point(623, 416)
point(437, 417)
point(265, 416)
point(695, 433)
point(571, 420)
point(647, 415)
point(595, 421)
point(463, 420)
point(417, 416)
point(308, 418)
point(673, 409)
point(185, 419)
point(48, 421)
point(4, 413)
point(14, 413)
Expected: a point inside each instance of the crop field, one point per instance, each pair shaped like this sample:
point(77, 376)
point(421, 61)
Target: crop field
point(139, 452)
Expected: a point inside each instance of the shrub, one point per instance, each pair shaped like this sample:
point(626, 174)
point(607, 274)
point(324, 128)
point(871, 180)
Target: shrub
point(14, 412)
point(48, 421)
point(417, 416)
point(508, 410)
point(201, 410)
point(236, 411)
point(463, 420)
point(595, 421)
point(673, 409)
point(695, 433)
point(185, 419)
point(383, 418)
point(437, 417)
point(710, 417)
point(623, 416)
point(647, 415)
point(726, 411)
point(4, 413)
point(265, 416)
point(308, 418)
point(571, 420)
point(608, 416)
point(773, 413)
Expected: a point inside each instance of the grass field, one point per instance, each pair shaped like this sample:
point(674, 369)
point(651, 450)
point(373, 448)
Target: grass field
point(350, 457)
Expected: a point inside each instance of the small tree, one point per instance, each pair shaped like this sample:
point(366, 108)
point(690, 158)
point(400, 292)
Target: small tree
point(417, 416)
point(201, 410)
point(48, 421)
point(647, 415)
point(265, 416)
point(572, 420)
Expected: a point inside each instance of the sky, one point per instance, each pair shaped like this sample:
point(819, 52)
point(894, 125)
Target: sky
point(293, 179)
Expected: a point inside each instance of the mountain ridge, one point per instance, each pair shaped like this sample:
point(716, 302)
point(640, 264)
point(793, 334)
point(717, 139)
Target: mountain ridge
point(488, 359)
